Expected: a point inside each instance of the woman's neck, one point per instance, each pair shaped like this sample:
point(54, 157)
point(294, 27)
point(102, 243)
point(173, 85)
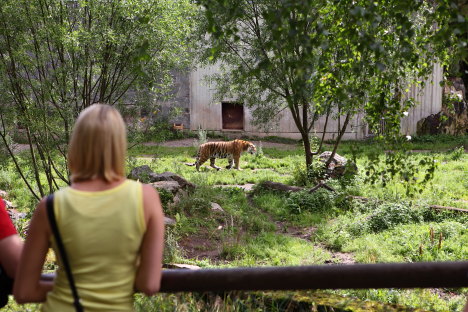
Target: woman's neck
point(97, 184)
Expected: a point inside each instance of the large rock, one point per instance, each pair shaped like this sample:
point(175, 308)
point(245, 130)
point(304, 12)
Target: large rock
point(216, 207)
point(338, 166)
point(170, 186)
point(142, 174)
point(170, 176)
point(454, 121)
point(453, 118)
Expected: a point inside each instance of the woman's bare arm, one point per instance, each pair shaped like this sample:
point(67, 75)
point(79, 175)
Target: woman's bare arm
point(11, 248)
point(148, 277)
point(28, 285)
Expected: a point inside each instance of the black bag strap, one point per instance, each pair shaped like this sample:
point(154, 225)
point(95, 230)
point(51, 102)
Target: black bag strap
point(63, 254)
point(6, 285)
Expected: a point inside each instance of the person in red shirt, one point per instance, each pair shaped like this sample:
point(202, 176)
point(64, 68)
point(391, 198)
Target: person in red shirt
point(11, 244)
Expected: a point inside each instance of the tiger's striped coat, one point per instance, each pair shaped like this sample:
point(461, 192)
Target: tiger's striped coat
point(230, 150)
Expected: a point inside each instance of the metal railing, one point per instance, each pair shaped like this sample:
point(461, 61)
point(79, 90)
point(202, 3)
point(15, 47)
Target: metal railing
point(391, 275)
point(355, 276)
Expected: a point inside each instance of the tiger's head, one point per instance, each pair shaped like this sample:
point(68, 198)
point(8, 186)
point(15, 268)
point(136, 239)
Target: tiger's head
point(246, 146)
point(251, 147)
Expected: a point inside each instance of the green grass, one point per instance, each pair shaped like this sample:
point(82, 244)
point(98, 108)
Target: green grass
point(260, 228)
point(254, 239)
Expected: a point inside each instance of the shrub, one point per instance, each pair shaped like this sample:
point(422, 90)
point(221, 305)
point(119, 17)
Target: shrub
point(202, 136)
point(166, 197)
point(432, 215)
point(303, 176)
point(318, 201)
point(388, 215)
point(457, 153)
point(450, 229)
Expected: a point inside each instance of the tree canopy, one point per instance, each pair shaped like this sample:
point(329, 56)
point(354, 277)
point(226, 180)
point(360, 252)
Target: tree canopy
point(325, 58)
point(59, 56)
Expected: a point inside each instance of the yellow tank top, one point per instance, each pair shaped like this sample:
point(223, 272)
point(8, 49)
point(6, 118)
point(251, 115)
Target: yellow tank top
point(102, 233)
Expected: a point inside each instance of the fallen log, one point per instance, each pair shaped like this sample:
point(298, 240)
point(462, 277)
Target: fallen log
point(437, 207)
point(288, 188)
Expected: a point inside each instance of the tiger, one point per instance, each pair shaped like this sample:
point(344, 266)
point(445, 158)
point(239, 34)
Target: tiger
point(230, 150)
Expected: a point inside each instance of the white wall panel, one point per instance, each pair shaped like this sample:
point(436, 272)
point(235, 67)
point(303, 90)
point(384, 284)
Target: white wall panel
point(207, 114)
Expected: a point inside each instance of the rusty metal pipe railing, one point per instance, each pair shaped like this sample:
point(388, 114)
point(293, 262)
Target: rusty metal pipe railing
point(356, 276)
point(394, 275)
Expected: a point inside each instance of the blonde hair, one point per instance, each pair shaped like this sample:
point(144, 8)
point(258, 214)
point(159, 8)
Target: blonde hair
point(98, 145)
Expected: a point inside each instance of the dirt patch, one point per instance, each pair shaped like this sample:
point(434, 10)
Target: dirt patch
point(341, 258)
point(294, 231)
point(200, 246)
point(209, 243)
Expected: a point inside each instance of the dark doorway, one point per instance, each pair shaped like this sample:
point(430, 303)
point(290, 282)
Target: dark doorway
point(233, 115)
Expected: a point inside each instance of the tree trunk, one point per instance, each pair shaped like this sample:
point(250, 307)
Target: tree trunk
point(464, 76)
point(307, 151)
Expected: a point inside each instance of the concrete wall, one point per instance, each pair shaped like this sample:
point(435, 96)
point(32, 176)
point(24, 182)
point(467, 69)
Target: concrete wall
point(180, 98)
point(206, 113)
point(428, 100)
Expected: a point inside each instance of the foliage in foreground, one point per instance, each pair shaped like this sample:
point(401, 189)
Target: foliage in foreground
point(59, 57)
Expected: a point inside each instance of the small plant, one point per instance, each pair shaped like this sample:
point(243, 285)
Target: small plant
point(389, 215)
point(166, 198)
point(202, 136)
point(172, 250)
point(318, 201)
point(309, 176)
point(259, 152)
point(457, 153)
point(194, 205)
point(400, 166)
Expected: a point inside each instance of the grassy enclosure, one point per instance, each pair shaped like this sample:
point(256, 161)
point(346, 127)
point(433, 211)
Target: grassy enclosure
point(362, 65)
point(260, 227)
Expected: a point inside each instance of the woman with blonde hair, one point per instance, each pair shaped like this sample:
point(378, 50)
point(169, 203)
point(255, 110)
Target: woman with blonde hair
point(112, 228)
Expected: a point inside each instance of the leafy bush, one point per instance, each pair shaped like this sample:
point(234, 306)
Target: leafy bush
point(318, 201)
point(202, 136)
point(389, 215)
point(303, 176)
point(166, 197)
point(449, 229)
point(432, 215)
point(457, 153)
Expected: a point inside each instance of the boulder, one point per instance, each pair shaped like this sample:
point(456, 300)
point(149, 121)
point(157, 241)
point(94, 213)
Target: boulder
point(144, 174)
point(338, 166)
point(216, 207)
point(170, 186)
point(169, 221)
point(453, 118)
point(337, 159)
point(453, 121)
point(141, 173)
point(170, 176)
